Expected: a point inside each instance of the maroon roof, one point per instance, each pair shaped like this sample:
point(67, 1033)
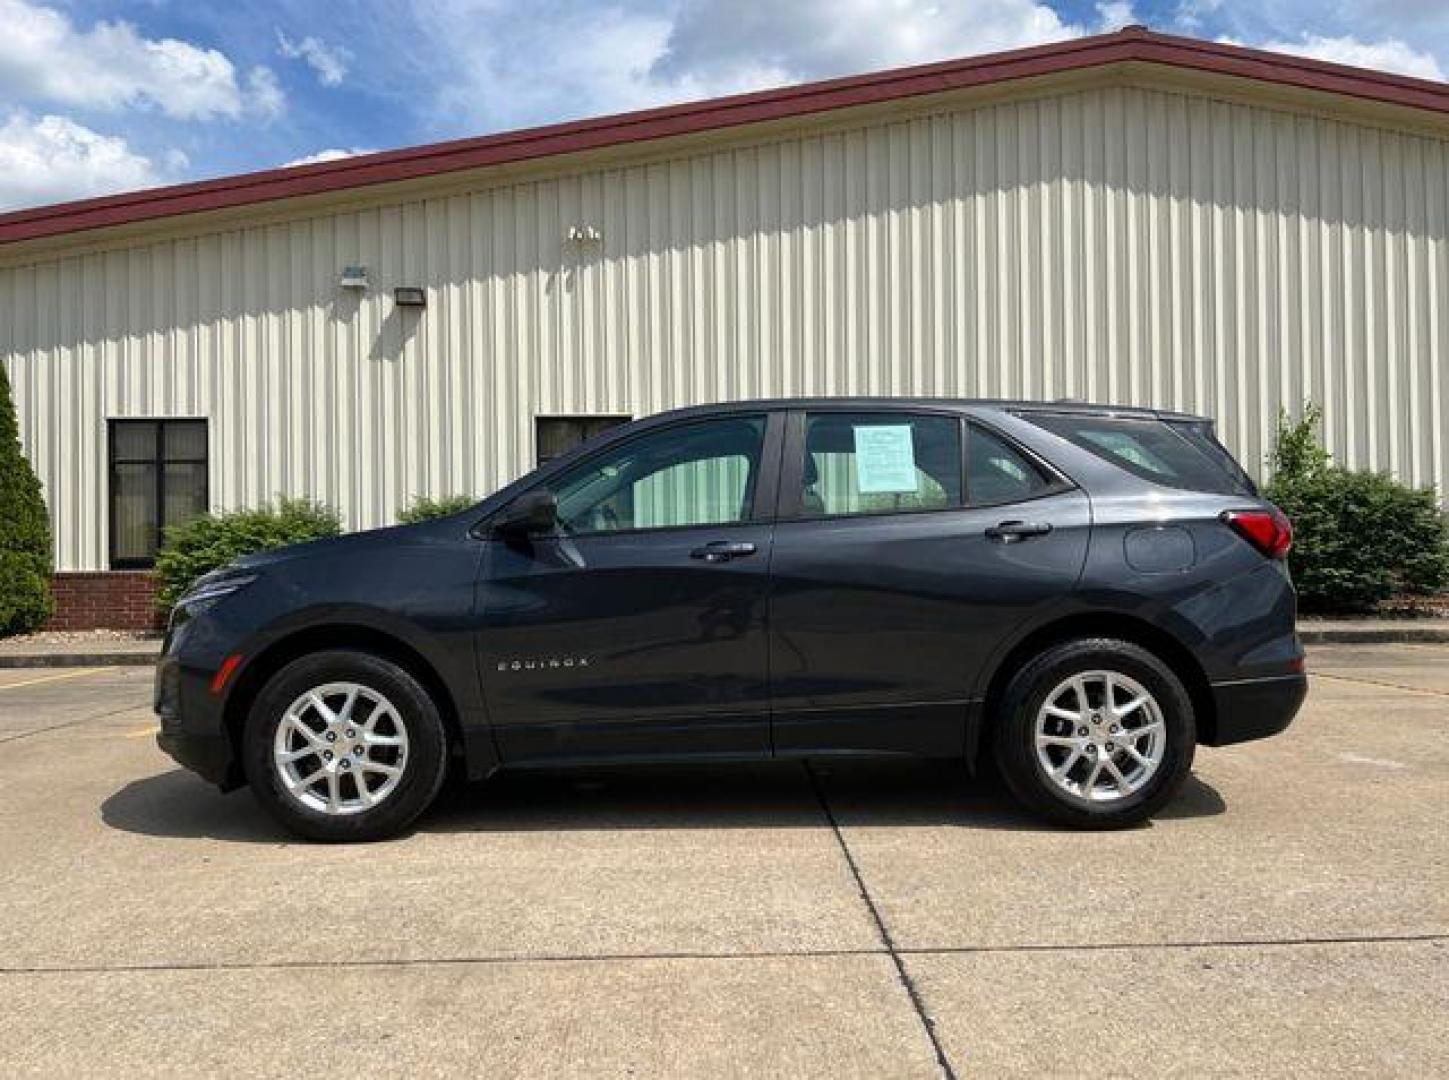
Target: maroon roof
point(1131, 44)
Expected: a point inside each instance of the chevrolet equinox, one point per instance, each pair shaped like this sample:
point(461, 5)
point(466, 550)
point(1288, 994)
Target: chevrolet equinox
point(1081, 594)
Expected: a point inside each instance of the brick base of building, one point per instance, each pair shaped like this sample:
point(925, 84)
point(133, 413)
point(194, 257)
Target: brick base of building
point(108, 600)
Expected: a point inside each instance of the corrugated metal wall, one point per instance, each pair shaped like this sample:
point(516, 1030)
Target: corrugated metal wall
point(1127, 245)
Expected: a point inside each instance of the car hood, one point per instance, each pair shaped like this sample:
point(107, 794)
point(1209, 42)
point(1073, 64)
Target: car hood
point(340, 546)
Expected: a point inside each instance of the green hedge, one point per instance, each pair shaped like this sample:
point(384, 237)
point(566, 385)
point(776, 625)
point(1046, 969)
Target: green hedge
point(25, 549)
point(425, 509)
point(212, 541)
point(1359, 538)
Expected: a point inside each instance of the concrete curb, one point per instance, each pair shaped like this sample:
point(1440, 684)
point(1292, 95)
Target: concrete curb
point(103, 659)
point(1377, 634)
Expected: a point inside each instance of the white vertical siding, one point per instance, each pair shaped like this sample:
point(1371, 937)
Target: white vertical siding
point(1128, 245)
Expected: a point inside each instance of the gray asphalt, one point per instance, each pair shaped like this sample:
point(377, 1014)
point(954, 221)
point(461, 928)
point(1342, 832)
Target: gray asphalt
point(1287, 915)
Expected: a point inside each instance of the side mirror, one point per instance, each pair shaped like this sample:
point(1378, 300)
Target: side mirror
point(532, 514)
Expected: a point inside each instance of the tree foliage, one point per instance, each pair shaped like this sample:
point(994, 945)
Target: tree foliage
point(25, 543)
point(426, 509)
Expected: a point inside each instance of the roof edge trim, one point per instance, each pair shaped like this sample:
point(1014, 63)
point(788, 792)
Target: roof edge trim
point(1129, 44)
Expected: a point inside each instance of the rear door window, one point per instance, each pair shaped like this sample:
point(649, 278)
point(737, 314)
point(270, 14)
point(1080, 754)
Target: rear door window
point(879, 463)
point(1178, 455)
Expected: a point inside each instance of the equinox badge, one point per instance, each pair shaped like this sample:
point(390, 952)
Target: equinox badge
point(552, 663)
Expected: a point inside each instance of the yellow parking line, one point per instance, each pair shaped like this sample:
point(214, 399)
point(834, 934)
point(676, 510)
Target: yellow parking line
point(142, 732)
point(51, 678)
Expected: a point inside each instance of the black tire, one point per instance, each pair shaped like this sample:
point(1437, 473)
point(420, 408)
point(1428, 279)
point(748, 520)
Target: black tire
point(423, 766)
point(1015, 736)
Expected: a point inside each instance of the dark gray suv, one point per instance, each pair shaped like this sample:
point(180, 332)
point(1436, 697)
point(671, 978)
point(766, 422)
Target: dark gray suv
point(1082, 593)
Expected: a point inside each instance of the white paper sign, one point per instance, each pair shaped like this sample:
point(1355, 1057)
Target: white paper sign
point(885, 460)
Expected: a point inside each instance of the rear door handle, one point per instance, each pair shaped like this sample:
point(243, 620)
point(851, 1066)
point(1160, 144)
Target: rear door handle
point(1010, 531)
point(723, 550)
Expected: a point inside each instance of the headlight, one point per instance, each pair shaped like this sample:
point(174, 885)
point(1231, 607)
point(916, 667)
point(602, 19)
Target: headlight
point(207, 592)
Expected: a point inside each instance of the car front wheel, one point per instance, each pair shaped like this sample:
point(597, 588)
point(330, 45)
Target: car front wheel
point(1095, 733)
point(345, 746)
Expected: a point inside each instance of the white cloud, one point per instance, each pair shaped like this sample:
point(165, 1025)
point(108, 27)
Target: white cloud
point(52, 159)
point(491, 69)
point(1386, 55)
point(494, 72)
point(110, 66)
point(569, 60)
point(332, 153)
point(330, 62)
point(732, 40)
point(1115, 14)
point(1192, 14)
point(264, 94)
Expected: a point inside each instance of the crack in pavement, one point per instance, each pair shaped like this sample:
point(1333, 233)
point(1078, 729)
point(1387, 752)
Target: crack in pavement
point(1379, 682)
point(764, 954)
point(906, 981)
point(1148, 946)
point(71, 723)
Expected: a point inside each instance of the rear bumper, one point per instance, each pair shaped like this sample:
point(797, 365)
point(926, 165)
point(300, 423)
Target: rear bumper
point(1256, 708)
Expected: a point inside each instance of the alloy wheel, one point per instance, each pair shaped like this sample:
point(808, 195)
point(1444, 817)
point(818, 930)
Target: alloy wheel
point(1100, 736)
point(340, 748)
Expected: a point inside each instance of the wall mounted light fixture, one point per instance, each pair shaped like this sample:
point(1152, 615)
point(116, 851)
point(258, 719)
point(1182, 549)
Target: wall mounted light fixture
point(409, 296)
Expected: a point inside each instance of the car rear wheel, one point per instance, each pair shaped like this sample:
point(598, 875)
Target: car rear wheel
point(1095, 733)
point(345, 746)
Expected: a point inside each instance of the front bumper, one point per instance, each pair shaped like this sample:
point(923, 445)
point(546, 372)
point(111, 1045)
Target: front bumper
point(1250, 709)
point(210, 757)
point(192, 731)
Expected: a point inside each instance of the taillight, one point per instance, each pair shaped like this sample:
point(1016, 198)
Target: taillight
point(1267, 530)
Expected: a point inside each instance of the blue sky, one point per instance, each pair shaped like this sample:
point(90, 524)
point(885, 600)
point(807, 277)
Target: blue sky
point(99, 96)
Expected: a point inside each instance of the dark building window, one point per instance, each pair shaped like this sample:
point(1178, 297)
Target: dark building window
point(158, 478)
point(555, 435)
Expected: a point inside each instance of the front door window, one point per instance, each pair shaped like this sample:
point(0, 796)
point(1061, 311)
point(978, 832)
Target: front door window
point(691, 474)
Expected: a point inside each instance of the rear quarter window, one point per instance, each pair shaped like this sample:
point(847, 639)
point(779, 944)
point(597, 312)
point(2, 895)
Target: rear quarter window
point(998, 473)
point(1172, 453)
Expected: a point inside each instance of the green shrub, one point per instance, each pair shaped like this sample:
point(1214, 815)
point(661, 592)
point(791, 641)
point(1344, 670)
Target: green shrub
point(25, 551)
point(1359, 538)
point(206, 543)
point(1297, 453)
point(425, 509)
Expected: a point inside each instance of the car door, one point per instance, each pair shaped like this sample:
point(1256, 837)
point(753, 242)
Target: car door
point(893, 580)
point(638, 628)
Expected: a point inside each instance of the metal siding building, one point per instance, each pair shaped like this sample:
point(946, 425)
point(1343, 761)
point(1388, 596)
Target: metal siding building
point(1137, 234)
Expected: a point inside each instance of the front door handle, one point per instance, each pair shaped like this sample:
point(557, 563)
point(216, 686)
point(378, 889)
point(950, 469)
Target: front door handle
point(1010, 531)
point(723, 550)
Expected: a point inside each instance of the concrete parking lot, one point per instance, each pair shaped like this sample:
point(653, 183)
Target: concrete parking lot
point(1289, 914)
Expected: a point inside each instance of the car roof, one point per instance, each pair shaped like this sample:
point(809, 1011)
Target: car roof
point(1061, 406)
